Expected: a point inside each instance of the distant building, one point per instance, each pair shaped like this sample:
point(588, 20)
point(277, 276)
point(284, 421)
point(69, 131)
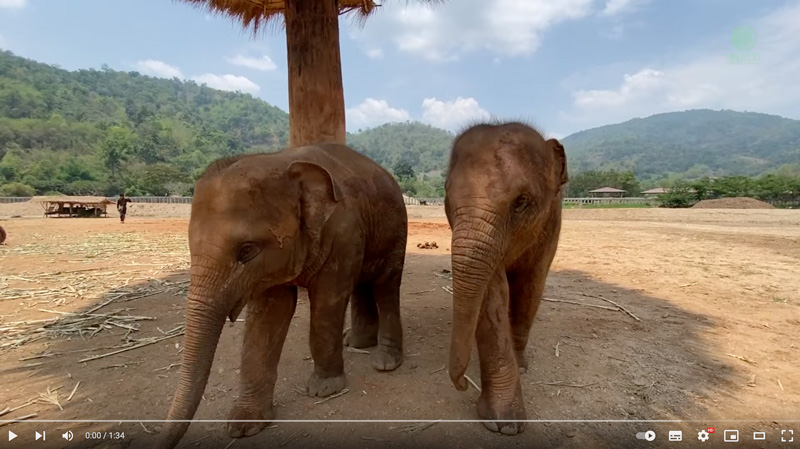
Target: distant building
point(607, 192)
point(656, 191)
point(661, 190)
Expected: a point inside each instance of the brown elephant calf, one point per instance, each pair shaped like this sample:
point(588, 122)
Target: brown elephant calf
point(503, 202)
point(322, 217)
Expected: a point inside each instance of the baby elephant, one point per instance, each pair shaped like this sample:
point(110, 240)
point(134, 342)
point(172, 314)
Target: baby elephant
point(503, 202)
point(322, 217)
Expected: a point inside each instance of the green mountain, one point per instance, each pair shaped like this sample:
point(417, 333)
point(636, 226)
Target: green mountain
point(103, 131)
point(98, 131)
point(703, 141)
point(425, 148)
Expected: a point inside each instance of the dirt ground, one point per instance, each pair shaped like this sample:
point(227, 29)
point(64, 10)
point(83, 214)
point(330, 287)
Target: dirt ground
point(716, 294)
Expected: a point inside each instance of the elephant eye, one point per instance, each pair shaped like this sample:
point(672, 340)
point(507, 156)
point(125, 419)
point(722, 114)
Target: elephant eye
point(521, 203)
point(247, 252)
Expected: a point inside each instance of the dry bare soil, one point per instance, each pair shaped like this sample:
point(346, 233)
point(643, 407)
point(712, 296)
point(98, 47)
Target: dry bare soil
point(715, 338)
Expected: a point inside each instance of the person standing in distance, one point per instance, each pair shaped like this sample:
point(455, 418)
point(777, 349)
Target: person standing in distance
point(122, 206)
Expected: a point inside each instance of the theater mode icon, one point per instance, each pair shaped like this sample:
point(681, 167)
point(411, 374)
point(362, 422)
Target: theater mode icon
point(759, 436)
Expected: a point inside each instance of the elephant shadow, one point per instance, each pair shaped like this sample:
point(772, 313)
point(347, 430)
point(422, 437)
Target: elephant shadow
point(589, 361)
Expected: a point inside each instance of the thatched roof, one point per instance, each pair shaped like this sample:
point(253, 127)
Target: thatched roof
point(607, 190)
point(661, 190)
point(656, 191)
point(71, 199)
point(255, 13)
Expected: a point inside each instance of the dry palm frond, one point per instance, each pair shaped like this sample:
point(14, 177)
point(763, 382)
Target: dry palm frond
point(81, 324)
point(254, 14)
point(51, 396)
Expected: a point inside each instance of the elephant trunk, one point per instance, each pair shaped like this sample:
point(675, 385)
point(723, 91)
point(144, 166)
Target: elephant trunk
point(476, 249)
point(204, 322)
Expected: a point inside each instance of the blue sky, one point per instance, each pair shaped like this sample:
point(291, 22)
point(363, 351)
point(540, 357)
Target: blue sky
point(564, 65)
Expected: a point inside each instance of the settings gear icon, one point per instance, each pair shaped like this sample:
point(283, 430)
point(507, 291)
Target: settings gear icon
point(702, 436)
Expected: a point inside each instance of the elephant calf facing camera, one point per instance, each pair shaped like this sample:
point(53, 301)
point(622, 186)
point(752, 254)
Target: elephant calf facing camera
point(321, 217)
point(503, 202)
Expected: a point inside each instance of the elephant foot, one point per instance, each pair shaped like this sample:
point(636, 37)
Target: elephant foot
point(325, 386)
point(495, 415)
point(387, 358)
point(248, 429)
point(361, 338)
point(522, 362)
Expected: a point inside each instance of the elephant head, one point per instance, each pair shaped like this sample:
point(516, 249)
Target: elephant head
point(503, 183)
point(254, 224)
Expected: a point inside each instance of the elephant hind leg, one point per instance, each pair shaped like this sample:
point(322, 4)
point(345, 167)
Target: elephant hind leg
point(386, 290)
point(363, 331)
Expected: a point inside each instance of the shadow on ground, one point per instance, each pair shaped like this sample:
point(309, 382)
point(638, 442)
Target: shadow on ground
point(588, 363)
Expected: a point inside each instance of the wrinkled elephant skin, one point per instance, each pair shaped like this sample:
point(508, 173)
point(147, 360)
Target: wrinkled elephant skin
point(321, 217)
point(503, 202)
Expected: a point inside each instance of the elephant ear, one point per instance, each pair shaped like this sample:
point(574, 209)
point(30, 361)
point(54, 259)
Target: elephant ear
point(319, 192)
point(560, 161)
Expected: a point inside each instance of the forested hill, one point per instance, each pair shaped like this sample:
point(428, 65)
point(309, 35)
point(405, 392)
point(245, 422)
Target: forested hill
point(69, 131)
point(703, 141)
point(102, 131)
point(423, 147)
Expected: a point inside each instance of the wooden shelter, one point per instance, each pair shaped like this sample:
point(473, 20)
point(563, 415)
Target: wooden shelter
point(656, 191)
point(607, 192)
point(73, 206)
point(316, 94)
point(661, 191)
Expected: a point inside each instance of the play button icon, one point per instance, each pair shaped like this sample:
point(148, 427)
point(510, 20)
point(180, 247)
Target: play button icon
point(11, 435)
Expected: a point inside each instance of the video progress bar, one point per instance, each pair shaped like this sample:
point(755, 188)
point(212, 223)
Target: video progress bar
point(599, 421)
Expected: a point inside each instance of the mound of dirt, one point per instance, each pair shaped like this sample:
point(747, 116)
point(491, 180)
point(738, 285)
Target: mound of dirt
point(733, 203)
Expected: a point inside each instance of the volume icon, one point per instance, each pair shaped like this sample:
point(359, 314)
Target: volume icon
point(67, 435)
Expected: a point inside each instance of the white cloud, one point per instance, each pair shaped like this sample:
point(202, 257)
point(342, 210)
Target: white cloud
point(159, 69)
point(264, 63)
point(452, 114)
point(228, 82)
point(13, 4)
point(614, 7)
point(505, 27)
point(616, 32)
point(375, 53)
point(705, 79)
point(372, 112)
point(633, 87)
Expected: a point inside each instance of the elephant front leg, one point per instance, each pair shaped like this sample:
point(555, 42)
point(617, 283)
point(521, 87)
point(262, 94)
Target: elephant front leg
point(526, 293)
point(266, 326)
point(328, 297)
point(501, 393)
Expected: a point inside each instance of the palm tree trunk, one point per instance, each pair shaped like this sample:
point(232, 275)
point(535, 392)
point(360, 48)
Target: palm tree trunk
point(316, 95)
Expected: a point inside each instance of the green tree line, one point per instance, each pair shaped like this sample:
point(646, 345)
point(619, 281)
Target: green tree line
point(100, 132)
